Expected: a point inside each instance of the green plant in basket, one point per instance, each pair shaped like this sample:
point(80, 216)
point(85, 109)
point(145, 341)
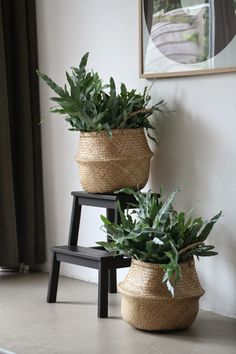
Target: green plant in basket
point(89, 105)
point(153, 231)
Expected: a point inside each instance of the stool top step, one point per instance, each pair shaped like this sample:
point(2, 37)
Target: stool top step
point(108, 196)
point(94, 253)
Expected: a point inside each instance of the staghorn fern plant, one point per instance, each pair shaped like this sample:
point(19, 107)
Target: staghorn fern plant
point(89, 106)
point(153, 231)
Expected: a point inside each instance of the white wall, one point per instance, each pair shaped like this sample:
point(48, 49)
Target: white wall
point(198, 146)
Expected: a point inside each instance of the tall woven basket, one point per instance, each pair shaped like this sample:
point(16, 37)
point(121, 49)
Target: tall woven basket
point(147, 304)
point(110, 163)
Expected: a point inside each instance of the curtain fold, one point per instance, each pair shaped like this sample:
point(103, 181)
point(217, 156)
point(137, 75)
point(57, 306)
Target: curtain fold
point(22, 238)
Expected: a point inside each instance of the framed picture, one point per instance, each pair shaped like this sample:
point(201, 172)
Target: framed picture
point(187, 37)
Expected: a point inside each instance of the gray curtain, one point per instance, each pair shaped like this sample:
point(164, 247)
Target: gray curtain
point(22, 238)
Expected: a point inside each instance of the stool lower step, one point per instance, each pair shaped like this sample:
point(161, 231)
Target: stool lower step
point(93, 257)
point(94, 253)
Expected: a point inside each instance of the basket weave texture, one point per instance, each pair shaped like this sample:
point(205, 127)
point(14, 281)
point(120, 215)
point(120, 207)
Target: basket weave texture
point(147, 304)
point(110, 163)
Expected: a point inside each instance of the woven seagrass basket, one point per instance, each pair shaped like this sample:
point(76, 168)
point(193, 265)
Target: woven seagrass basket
point(147, 304)
point(110, 163)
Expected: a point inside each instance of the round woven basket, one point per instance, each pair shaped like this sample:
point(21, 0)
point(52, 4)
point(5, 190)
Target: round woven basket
point(147, 304)
point(110, 163)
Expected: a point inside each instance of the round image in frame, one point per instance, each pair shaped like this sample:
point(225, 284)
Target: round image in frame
point(190, 31)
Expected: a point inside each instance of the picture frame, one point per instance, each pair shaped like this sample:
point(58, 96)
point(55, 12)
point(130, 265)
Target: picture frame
point(186, 39)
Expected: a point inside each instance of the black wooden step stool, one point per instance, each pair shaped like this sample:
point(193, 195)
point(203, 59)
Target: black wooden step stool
point(92, 257)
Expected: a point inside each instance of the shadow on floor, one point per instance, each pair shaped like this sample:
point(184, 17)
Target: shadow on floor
point(217, 330)
point(77, 303)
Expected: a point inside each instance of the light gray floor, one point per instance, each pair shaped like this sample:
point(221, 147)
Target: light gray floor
point(28, 325)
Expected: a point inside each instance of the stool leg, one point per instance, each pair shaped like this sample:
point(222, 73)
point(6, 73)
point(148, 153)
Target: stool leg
point(74, 222)
point(53, 279)
point(112, 281)
point(112, 215)
point(102, 291)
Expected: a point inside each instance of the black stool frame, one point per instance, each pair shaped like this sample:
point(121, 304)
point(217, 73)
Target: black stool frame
point(92, 257)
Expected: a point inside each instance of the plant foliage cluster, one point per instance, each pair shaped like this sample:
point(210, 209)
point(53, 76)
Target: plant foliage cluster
point(153, 231)
point(88, 105)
